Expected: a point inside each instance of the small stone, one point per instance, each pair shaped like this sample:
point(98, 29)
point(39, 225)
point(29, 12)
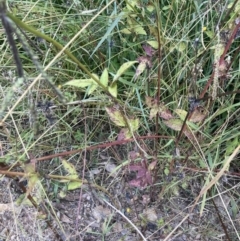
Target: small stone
point(150, 215)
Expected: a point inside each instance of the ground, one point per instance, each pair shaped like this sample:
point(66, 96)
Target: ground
point(120, 214)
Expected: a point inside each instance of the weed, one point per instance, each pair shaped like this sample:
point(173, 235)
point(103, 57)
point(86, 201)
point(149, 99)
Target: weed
point(151, 87)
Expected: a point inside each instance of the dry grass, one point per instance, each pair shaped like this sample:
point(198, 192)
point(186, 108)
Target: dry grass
point(148, 151)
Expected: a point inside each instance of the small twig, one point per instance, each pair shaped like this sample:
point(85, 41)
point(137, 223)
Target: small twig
point(221, 221)
point(171, 233)
point(9, 32)
point(126, 218)
point(84, 166)
point(183, 127)
point(36, 62)
point(219, 95)
point(31, 42)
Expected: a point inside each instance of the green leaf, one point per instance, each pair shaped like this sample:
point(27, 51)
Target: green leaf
point(125, 133)
point(174, 124)
point(166, 171)
point(109, 30)
point(123, 68)
point(181, 113)
point(104, 77)
point(231, 146)
point(181, 46)
point(141, 67)
point(69, 168)
point(166, 7)
point(74, 185)
point(81, 83)
point(32, 181)
point(93, 87)
point(196, 116)
point(113, 89)
point(209, 33)
point(139, 30)
point(150, 8)
point(153, 44)
point(62, 193)
point(125, 31)
point(116, 116)
point(134, 124)
point(131, 4)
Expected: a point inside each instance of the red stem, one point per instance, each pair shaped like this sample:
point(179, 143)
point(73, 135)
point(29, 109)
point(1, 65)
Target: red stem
point(104, 145)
